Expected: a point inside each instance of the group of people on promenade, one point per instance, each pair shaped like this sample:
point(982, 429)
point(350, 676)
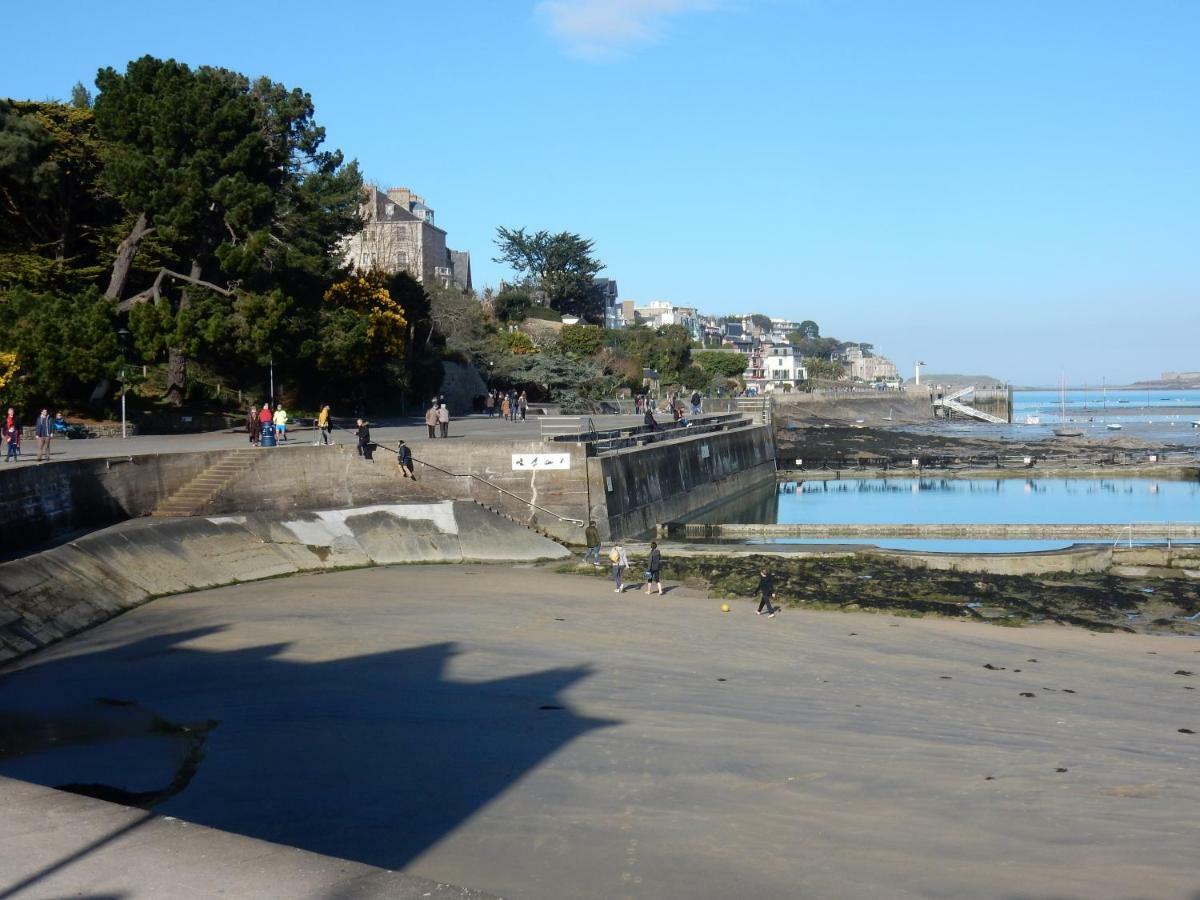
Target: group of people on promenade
point(511, 404)
point(672, 406)
point(44, 430)
point(618, 559)
point(264, 419)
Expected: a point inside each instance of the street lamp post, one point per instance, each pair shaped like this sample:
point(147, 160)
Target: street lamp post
point(123, 342)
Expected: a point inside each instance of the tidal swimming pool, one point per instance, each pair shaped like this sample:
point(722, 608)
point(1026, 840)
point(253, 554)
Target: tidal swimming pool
point(923, 501)
point(934, 501)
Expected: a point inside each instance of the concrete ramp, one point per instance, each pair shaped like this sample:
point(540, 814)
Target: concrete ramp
point(61, 591)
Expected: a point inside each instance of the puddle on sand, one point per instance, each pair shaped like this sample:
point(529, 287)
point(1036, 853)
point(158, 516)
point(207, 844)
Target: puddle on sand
point(111, 749)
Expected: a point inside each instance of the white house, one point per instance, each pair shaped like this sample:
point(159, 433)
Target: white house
point(783, 367)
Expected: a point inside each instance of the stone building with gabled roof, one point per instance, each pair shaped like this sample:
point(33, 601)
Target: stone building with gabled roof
point(399, 234)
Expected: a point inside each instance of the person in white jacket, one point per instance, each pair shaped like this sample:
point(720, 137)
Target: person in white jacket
point(619, 561)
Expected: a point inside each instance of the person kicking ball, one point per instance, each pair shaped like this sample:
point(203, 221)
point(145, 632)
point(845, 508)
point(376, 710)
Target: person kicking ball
point(766, 590)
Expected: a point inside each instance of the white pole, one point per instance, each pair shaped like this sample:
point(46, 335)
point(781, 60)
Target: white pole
point(122, 403)
point(272, 380)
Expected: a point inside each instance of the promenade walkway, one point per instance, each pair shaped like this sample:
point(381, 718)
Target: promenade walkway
point(412, 430)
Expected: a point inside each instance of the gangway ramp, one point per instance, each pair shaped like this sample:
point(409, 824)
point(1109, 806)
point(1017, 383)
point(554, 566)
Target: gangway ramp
point(953, 403)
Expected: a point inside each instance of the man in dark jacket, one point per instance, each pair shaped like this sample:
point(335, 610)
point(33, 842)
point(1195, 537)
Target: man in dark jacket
point(44, 430)
point(766, 590)
point(404, 458)
point(654, 568)
point(365, 450)
point(591, 537)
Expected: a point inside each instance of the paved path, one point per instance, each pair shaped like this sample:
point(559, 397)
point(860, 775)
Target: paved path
point(537, 736)
point(471, 428)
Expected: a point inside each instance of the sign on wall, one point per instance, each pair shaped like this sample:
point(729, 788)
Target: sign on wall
point(535, 462)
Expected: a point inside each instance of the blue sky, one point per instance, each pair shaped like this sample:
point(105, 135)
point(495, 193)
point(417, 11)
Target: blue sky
point(1009, 187)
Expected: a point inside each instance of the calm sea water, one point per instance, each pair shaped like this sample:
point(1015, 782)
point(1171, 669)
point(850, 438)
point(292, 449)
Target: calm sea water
point(1101, 407)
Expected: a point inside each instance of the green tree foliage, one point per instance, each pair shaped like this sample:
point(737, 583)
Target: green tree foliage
point(809, 329)
point(821, 348)
point(696, 378)
point(667, 350)
point(230, 177)
point(545, 313)
point(579, 341)
point(64, 344)
point(577, 384)
point(52, 209)
point(720, 363)
point(512, 305)
point(830, 370)
point(761, 322)
point(560, 267)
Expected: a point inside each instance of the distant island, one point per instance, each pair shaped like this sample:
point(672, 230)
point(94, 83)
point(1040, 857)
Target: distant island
point(1172, 380)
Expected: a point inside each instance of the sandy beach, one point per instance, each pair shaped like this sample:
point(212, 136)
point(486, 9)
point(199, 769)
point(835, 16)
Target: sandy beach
point(536, 735)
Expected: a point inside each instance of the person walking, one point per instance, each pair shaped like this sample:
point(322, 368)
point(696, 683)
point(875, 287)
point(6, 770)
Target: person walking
point(766, 589)
point(696, 403)
point(489, 404)
point(281, 423)
point(504, 407)
point(619, 560)
point(443, 417)
point(252, 424)
point(654, 569)
point(431, 420)
point(363, 433)
point(324, 426)
point(43, 429)
point(591, 537)
point(404, 458)
point(522, 405)
point(12, 436)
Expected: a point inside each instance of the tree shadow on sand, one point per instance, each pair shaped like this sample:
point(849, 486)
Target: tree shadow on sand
point(373, 757)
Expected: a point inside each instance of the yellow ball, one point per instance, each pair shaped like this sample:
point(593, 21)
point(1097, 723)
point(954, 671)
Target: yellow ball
point(724, 607)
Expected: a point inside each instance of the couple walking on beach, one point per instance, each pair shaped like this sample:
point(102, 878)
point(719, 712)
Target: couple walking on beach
point(618, 559)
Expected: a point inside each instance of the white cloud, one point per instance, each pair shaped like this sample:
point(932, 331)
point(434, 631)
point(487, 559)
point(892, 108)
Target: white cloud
point(601, 29)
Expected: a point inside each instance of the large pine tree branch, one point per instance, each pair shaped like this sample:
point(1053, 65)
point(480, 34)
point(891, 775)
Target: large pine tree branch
point(155, 290)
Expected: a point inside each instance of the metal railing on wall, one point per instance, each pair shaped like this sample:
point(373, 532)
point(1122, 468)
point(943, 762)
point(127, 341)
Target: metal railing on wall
point(578, 522)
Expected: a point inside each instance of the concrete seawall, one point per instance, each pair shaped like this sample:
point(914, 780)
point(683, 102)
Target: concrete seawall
point(627, 492)
point(634, 490)
point(61, 591)
point(40, 503)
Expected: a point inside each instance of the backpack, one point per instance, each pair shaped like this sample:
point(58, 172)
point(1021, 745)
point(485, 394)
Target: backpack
point(614, 556)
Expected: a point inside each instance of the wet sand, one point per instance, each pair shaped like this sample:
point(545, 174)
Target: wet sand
point(537, 735)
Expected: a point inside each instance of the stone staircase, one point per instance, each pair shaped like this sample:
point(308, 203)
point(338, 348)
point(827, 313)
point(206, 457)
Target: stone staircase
point(195, 495)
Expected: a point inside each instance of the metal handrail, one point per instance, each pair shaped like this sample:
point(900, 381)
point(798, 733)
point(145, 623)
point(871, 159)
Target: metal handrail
point(1168, 526)
point(497, 487)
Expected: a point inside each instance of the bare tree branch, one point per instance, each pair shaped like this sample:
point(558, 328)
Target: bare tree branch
point(155, 290)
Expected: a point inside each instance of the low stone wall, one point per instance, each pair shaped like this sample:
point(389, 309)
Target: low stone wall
point(1091, 558)
point(61, 591)
point(41, 503)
